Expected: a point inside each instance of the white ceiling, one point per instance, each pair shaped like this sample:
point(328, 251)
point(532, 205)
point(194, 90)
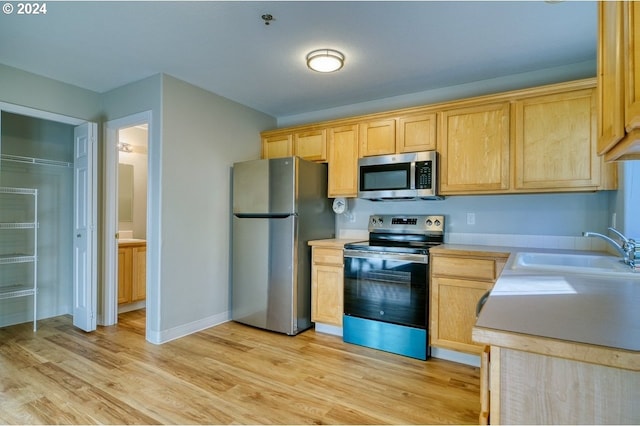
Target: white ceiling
point(391, 47)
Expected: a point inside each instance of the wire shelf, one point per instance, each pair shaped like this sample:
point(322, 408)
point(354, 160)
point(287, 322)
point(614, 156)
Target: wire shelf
point(19, 290)
point(18, 225)
point(9, 190)
point(6, 259)
point(35, 161)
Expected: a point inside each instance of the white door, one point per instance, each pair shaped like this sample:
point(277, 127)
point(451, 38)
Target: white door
point(85, 299)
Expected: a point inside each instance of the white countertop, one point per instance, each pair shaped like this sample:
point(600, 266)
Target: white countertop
point(591, 309)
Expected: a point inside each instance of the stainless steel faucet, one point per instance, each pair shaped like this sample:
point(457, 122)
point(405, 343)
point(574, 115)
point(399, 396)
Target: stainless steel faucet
point(628, 248)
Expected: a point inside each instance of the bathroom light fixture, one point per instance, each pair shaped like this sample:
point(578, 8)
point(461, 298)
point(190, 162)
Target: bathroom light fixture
point(125, 147)
point(325, 60)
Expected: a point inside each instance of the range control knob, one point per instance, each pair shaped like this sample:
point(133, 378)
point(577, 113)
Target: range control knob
point(429, 222)
point(437, 222)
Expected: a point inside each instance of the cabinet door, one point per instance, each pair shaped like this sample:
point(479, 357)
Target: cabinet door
point(311, 145)
point(555, 141)
point(277, 146)
point(610, 81)
point(631, 47)
point(343, 161)
point(139, 273)
point(474, 149)
point(378, 137)
point(124, 274)
point(453, 312)
point(417, 132)
point(327, 294)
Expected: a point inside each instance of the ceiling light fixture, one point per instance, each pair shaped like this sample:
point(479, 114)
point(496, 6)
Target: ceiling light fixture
point(325, 60)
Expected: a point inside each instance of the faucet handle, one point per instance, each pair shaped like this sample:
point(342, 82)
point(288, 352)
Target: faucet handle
point(619, 234)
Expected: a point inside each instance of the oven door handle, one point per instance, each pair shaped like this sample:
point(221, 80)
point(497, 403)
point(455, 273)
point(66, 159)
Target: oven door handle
point(409, 257)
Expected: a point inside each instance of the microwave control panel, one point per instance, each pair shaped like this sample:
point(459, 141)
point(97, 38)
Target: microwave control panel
point(423, 174)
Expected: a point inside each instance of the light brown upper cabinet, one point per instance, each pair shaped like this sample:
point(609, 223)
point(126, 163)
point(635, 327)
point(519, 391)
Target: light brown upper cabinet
point(311, 145)
point(540, 139)
point(416, 132)
point(277, 146)
point(343, 161)
point(619, 80)
point(555, 141)
point(377, 137)
point(474, 149)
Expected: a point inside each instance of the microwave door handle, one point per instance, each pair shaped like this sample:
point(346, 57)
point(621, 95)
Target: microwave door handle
point(412, 175)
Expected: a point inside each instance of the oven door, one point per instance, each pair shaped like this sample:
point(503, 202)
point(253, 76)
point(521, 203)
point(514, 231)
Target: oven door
point(388, 287)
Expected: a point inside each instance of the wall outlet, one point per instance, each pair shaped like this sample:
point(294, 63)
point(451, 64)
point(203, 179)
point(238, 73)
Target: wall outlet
point(471, 218)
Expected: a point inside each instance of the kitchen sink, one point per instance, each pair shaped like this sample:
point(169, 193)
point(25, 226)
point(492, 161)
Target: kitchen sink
point(574, 263)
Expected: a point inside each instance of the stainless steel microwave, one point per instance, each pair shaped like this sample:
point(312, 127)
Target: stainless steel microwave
point(398, 177)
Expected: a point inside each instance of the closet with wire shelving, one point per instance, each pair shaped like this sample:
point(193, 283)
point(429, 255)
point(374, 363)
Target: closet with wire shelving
point(36, 218)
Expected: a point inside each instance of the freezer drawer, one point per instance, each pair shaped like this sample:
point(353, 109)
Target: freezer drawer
point(264, 281)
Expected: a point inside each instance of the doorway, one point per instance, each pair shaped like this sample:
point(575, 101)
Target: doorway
point(126, 218)
point(54, 157)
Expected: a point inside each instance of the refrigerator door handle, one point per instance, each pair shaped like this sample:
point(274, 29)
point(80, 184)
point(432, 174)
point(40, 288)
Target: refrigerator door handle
point(263, 216)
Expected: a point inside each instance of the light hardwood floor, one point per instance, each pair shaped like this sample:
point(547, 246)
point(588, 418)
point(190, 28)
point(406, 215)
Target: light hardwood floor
point(225, 374)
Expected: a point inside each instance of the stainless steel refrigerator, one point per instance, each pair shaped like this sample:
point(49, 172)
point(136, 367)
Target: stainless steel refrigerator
point(278, 206)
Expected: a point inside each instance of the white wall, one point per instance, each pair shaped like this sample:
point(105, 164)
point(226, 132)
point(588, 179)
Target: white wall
point(203, 135)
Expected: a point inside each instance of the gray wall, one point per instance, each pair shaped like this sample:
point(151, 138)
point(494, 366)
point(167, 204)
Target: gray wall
point(203, 135)
point(536, 214)
point(22, 88)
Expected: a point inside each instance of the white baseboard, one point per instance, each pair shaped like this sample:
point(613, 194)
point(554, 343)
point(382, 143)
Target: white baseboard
point(22, 317)
point(462, 358)
point(329, 329)
point(164, 336)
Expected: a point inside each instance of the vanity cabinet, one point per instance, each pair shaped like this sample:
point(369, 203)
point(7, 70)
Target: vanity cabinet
point(343, 161)
point(132, 272)
point(458, 280)
point(619, 80)
point(474, 149)
point(327, 285)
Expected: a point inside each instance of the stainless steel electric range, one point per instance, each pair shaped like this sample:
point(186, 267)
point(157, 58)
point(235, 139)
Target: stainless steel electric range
point(386, 284)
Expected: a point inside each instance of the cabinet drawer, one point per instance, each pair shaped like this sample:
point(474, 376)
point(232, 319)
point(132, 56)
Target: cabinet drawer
point(327, 256)
point(477, 269)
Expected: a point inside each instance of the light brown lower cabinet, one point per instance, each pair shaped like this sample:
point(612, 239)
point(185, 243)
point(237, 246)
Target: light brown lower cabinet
point(132, 272)
point(525, 387)
point(327, 285)
point(485, 405)
point(458, 281)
